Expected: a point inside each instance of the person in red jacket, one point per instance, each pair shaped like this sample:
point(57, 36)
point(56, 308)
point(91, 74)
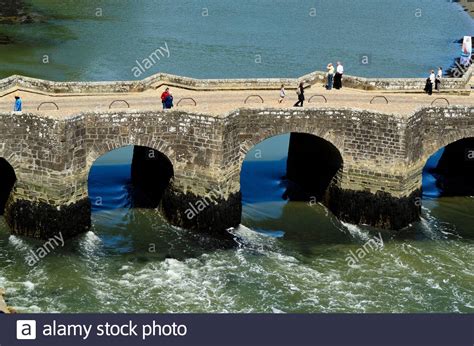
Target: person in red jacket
point(164, 96)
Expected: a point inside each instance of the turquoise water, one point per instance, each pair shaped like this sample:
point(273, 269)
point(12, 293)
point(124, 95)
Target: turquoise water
point(292, 256)
point(84, 40)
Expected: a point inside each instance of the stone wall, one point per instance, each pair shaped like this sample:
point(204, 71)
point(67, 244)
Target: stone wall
point(383, 156)
point(159, 79)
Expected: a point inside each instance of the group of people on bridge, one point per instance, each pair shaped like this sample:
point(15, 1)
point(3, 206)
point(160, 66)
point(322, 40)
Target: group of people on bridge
point(167, 99)
point(434, 81)
point(334, 80)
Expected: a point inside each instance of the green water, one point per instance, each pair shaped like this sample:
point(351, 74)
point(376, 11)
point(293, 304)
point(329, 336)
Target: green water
point(292, 257)
point(111, 269)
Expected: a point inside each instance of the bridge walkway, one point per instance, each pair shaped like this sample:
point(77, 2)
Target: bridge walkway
point(220, 102)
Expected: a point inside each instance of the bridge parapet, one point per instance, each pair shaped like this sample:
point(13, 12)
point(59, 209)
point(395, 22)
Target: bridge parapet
point(160, 79)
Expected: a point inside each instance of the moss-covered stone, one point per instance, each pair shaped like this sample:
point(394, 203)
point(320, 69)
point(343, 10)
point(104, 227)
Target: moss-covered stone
point(43, 221)
point(210, 215)
point(379, 210)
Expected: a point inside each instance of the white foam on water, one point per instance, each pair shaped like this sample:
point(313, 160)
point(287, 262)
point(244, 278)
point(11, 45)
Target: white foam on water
point(356, 231)
point(277, 311)
point(29, 285)
point(19, 244)
point(411, 250)
point(90, 243)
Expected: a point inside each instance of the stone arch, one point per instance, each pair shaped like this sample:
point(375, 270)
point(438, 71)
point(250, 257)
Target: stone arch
point(451, 174)
point(442, 141)
point(99, 149)
point(316, 185)
point(327, 135)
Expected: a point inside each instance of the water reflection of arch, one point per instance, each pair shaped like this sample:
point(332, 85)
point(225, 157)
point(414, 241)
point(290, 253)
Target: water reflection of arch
point(150, 173)
point(448, 187)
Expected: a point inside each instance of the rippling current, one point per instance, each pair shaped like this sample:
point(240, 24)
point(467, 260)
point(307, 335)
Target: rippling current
point(292, 257)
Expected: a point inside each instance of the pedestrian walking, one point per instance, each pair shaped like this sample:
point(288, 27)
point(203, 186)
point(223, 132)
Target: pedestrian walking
point(338, 76)
point(330, 76)
point(164, 96)
point(430, 82)
point(18, 106)
point(300, 93)
point(282, 94)
point(439, 76)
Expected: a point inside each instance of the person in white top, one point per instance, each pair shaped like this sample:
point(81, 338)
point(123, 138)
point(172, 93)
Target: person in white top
point(338, 76)
point(330, 76)
point(282, 94)
point(439, 76)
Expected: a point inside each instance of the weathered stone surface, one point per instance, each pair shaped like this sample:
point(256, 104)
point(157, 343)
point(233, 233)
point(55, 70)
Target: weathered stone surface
point(379, 210)
point(44, 221)
point(160, 79)
point(210, 214)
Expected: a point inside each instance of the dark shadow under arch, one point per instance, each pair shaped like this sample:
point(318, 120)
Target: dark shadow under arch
point(7, 181)
point(312, 164)
point(145, 179)
point(151, 174)
point(308, 165)
point(452, 169)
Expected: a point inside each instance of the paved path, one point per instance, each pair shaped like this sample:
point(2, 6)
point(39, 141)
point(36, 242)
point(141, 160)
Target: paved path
point(220, 102)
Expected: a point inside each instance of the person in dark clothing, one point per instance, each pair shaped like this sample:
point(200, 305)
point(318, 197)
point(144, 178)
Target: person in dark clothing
point(338, 76)
point(430, 82)
point(169, 102)
point(300, 93)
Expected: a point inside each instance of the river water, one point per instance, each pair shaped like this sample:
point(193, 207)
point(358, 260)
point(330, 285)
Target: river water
point(101, 40)
point(292, 256)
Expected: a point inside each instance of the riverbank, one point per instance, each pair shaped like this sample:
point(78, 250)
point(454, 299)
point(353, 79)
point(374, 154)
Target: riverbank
point(4, 308)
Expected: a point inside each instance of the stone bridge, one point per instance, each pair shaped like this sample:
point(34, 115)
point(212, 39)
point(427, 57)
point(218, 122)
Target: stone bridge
point(377, 154)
